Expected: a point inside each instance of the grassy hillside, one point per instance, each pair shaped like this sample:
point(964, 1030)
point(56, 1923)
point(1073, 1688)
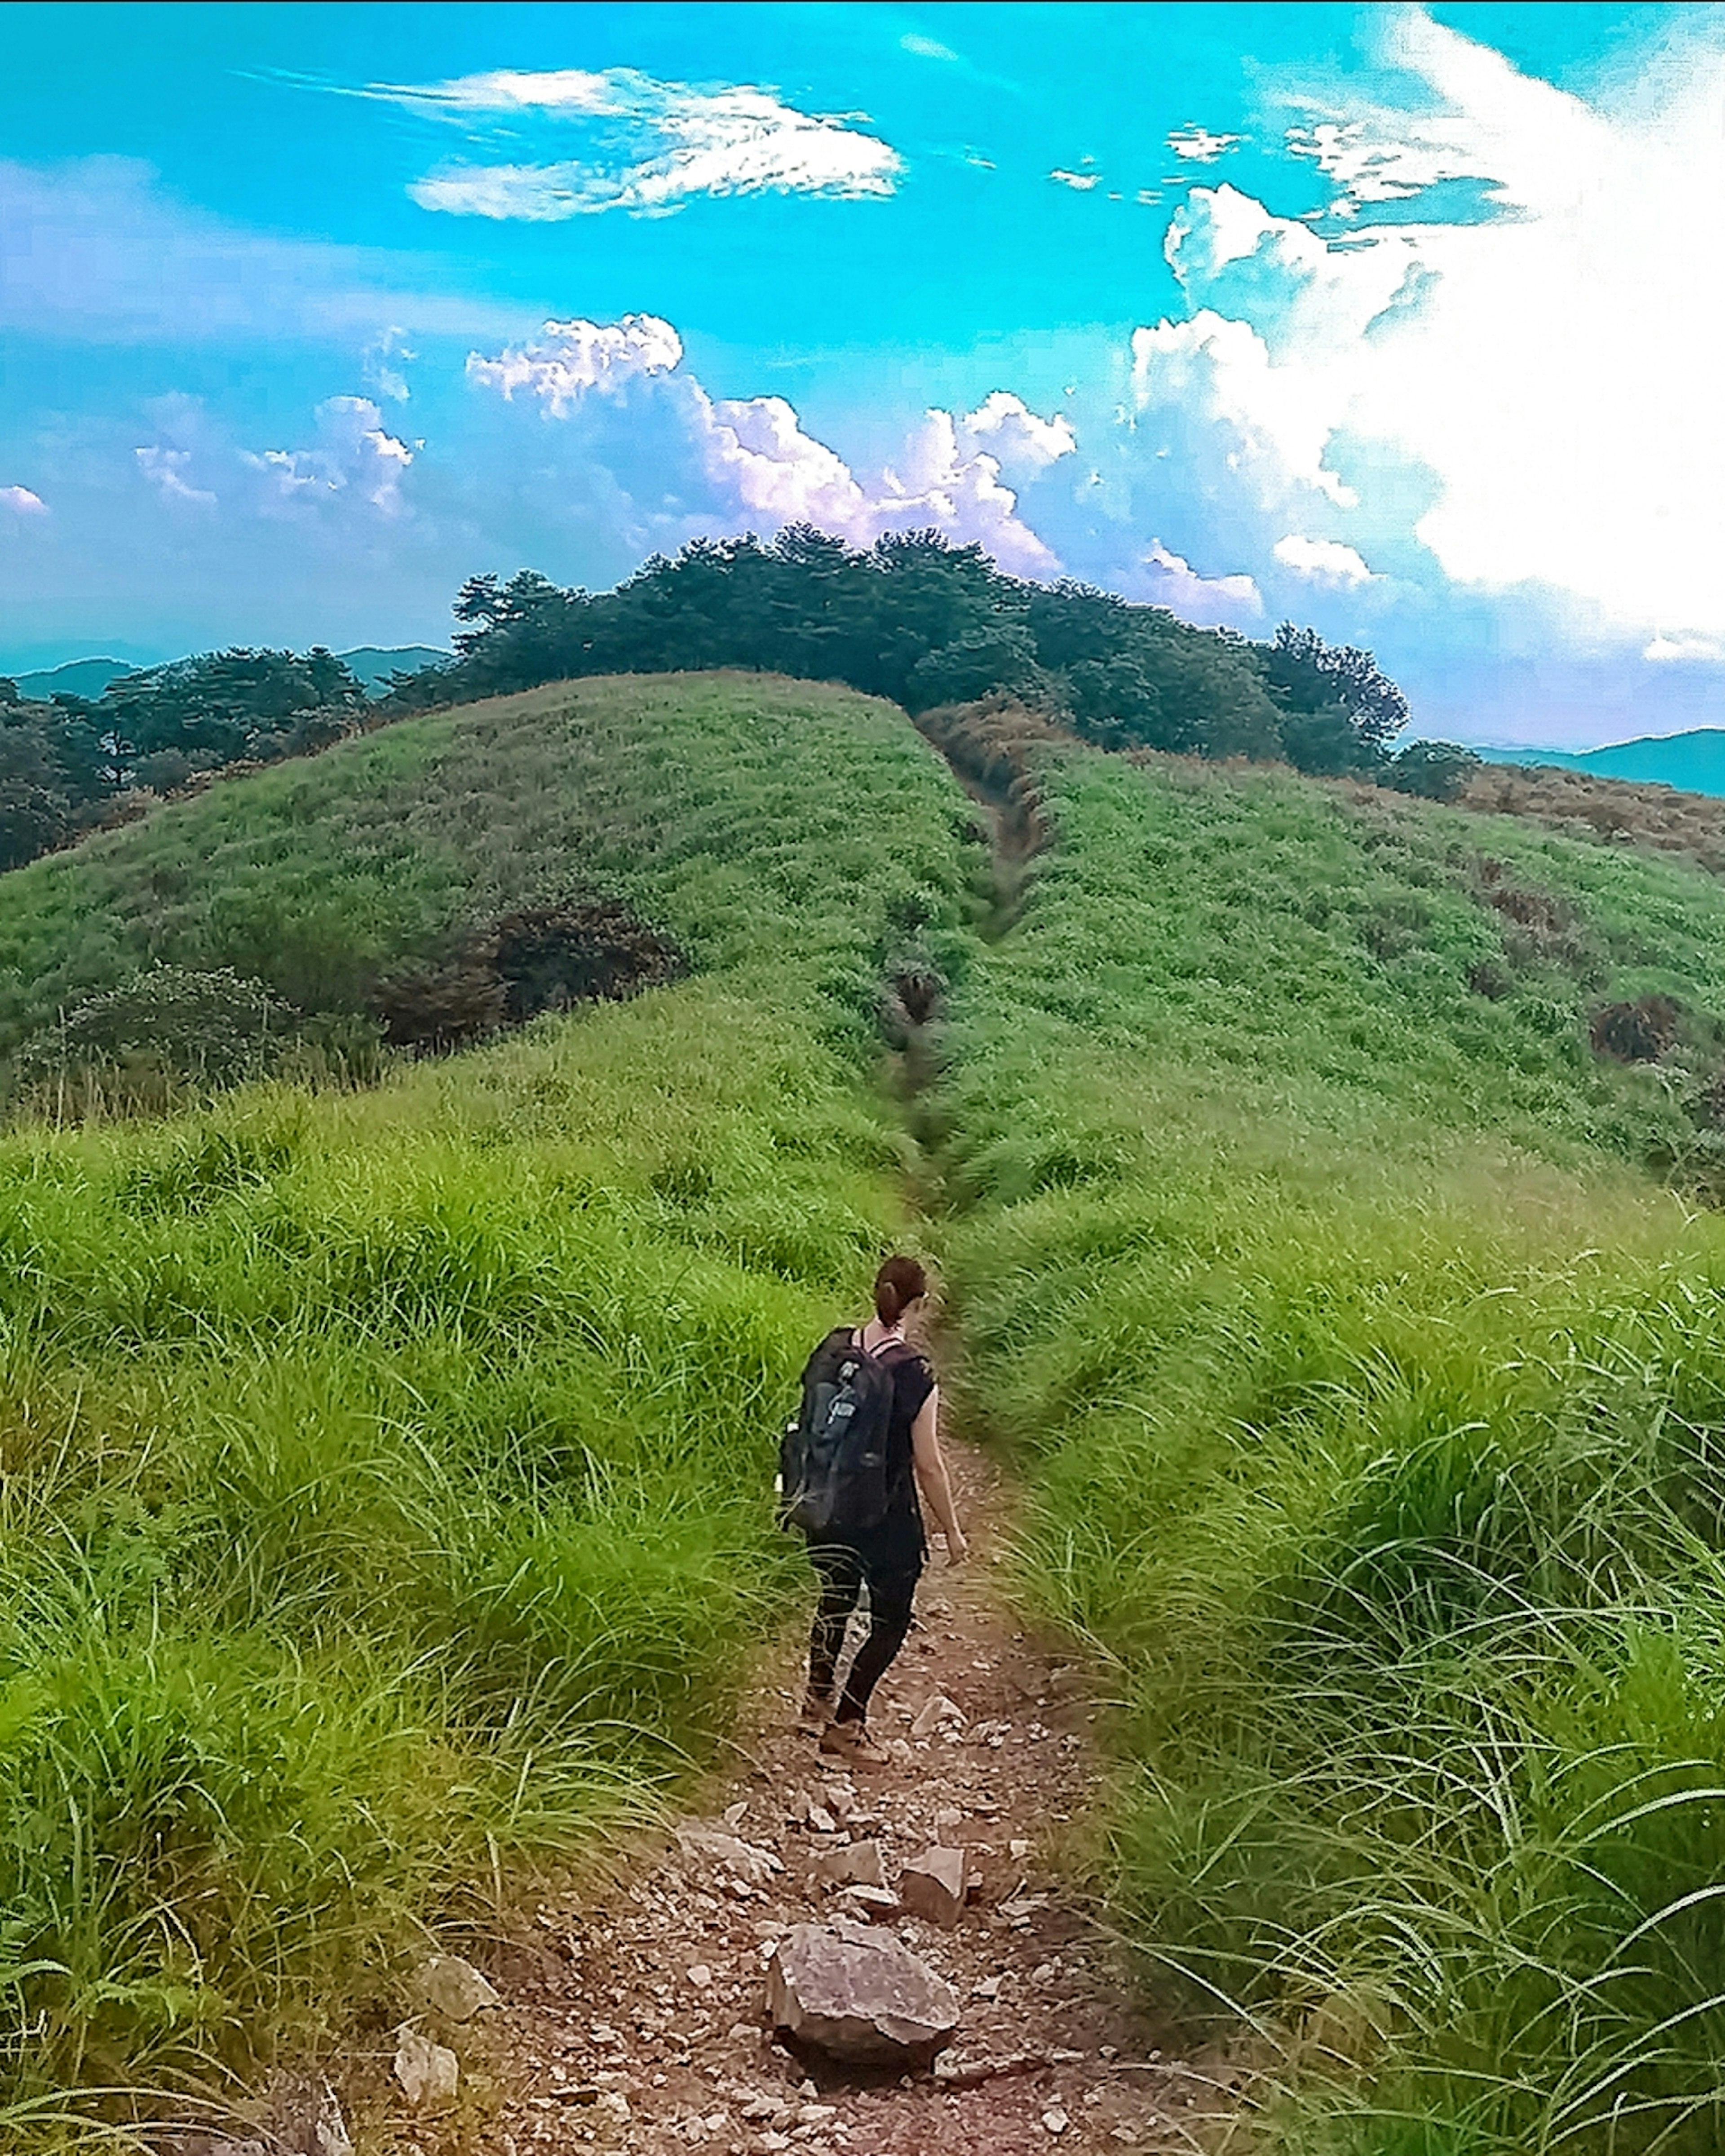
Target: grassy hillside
point(385, 1473)
point(1370, 1393)
point(1325, 1179)
point(753, 820)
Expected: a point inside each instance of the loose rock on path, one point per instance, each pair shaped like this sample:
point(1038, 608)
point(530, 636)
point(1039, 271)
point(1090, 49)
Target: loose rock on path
point(639, 2022)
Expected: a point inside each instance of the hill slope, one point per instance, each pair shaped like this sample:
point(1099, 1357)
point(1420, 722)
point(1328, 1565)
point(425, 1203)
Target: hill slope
point(704, 801)
point(1290, 1148)
point(386, 1472)
point(1693, 762)
point(1369, 1401)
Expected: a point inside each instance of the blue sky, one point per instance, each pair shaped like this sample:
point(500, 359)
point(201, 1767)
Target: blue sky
point(1405, 322)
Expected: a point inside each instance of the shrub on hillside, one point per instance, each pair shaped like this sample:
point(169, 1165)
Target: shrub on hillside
point(146, 1042)
point(1434, 770)
point(542, 958)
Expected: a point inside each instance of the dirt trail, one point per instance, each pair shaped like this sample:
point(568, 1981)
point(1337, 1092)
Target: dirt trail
point(989, 747)
point(635, 2021)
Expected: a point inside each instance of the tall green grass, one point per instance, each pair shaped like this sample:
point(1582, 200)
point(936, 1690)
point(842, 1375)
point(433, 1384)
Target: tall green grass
point(384, 1476)
point(759, 822)
point(1370, 1396)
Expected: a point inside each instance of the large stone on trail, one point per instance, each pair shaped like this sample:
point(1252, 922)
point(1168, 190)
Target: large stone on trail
point(707, 1845)
point(429, 2073)
point(855, 1994)
point(305, 2117)
point(453, 1987)
point(854, 1864)
point(932, 1885)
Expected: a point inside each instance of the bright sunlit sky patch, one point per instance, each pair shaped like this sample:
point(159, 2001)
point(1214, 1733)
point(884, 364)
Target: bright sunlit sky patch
point(1402, 321)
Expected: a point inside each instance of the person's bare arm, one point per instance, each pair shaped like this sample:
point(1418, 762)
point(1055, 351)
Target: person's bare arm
point(931, 1465)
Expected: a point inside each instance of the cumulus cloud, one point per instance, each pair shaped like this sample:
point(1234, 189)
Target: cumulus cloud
point(1169, 580)
point(1663, 650)
point(351, 459)
point(1326, 560)
point(1218, 371)
point(1083, 181)
point(575, 357)
point(1537, 377)
point(760, 466)
point(354, 452)
point(1009, 428)
point(383, 360)
point(167, 471)
point(649, 146)
point(22, 502)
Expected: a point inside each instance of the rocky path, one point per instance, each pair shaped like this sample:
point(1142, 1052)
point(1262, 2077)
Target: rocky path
point(637, 2021)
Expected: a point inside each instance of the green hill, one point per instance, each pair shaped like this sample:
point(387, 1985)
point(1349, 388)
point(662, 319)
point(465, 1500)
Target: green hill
point(1369, 1401)
point(326, 877)
point(1323, 1183)
point(1694, 762)
point(385, 1471)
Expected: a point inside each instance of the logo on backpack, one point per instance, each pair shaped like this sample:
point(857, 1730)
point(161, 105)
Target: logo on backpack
point(833, 1475)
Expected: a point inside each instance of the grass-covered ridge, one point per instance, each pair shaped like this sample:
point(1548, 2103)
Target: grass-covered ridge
point(383, 1475)
point(753, 820)
point(1369, 1390)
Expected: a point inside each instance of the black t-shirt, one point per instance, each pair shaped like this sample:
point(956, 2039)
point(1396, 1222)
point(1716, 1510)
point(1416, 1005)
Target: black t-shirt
point(898, 1539)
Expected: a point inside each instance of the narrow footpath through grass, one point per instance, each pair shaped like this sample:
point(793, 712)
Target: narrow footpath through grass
point(632, 2016)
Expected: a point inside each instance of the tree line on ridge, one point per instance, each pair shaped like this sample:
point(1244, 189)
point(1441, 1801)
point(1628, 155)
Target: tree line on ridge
point(913, 618)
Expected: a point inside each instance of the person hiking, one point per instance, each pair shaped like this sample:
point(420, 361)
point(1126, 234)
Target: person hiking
point(868, 1435)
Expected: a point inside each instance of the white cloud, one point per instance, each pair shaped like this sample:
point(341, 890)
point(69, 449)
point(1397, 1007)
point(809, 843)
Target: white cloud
point(654, 146)
point(1084, 181)
point(1327, 560)
point(22, 502)
point(1666, 649)
point(926, 48)
point(1219, 371)
point(757, 447)
point(1198, 146)
point(383, 362)
point(752, 462)
point(579, 356)
point(354, 452)
point(1173, 582)
point(1550, 368)
point(166, 469)
point(942, 477)
point(1012, 430)
point(353, 460)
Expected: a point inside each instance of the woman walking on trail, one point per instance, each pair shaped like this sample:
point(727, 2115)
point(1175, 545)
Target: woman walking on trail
point(875, 1539)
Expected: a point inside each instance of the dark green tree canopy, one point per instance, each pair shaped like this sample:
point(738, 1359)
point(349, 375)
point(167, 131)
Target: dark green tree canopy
point(923, 622)
point(226, 705)
point(913, 617)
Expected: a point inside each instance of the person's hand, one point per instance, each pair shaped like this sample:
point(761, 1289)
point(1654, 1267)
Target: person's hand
point(957, 1549)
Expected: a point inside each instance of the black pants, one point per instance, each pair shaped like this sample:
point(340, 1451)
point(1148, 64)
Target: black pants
point(842, 1571)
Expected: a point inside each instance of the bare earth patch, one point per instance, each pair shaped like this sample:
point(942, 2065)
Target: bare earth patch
point(637, 2022)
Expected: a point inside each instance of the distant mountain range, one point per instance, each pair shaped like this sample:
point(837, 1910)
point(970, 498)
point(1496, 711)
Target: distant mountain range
point(1694, 762)
point(89, 677)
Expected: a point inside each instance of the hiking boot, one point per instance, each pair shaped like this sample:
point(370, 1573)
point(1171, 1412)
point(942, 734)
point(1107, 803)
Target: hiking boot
point(816, 1713)
point(849, 1740)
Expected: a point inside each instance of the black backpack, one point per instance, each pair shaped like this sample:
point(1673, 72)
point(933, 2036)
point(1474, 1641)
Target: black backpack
point(833, 1475)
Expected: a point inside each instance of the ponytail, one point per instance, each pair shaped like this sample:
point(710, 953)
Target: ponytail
point(900, 1282)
